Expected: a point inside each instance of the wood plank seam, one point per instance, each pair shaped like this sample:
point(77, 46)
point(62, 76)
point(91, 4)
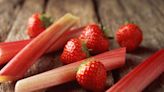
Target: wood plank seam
point(45, 6)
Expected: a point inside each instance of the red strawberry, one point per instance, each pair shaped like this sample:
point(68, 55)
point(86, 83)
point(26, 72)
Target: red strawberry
point(129, 36)
point(37, 23)
point(92, 75)
point(74, 51)
point(95, 39)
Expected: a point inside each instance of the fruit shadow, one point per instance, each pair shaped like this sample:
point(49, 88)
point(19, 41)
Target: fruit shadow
point(143, 51)
point(72, 86)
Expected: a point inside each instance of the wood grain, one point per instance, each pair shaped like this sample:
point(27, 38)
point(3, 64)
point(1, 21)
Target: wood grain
point(146, 14)
point(83, 9)
point(8, 12)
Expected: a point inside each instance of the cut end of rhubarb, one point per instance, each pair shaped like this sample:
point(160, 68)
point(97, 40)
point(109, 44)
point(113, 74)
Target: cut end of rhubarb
point(70, 17)
point(4, 78)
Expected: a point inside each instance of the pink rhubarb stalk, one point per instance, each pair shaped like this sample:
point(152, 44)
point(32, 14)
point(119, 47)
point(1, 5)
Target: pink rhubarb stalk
point(9, 49)
point(142, 75)
point(18, 65)
point(111, 59)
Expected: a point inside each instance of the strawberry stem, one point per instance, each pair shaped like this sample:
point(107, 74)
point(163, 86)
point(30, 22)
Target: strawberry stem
point(46, 20)
point(106, 31)
point(85, 49)
point(127, 21)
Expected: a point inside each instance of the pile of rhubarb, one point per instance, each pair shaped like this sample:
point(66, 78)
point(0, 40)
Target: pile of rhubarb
point(85, 55)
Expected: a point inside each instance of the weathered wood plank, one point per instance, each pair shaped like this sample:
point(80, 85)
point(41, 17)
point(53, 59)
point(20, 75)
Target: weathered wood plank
point(158, 9)
point(85, 10)
point(8, 12)
point(159, 6)
point(113, 13)
point(18, 32)
point(57, 8)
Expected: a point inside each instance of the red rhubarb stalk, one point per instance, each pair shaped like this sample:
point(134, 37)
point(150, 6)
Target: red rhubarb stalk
point(18, 65)
point(142, 75)
point(9, 49)
point(111, 59)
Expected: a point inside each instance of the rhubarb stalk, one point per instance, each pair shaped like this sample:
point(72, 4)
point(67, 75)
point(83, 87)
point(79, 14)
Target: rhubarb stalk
point(19, 64)
point(9, 49)
point(142, 75)
point(111, 60)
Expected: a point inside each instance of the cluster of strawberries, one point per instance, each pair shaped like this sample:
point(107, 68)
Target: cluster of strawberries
point(91, 75)
point(90, 41)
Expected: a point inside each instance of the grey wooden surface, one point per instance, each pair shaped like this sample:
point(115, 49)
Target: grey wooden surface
point(148, 14)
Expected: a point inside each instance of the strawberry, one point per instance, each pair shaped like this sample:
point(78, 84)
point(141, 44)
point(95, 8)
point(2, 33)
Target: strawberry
point(95, 39)
point(37, 23)
point(92, 75)
point(129, 36)
point(74, 50)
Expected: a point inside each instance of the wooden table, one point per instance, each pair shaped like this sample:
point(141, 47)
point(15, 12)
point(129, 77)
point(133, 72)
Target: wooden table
point(148, 14)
